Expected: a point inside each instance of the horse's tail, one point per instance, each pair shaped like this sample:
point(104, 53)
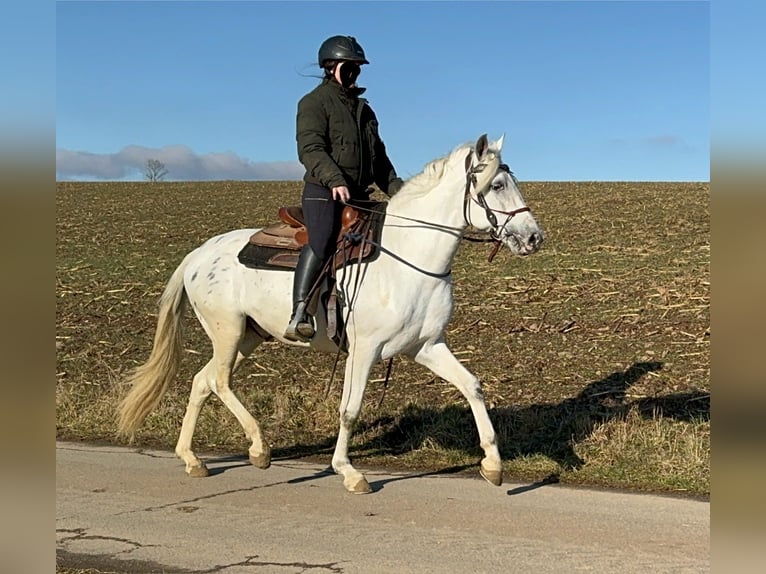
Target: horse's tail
point(150, 381)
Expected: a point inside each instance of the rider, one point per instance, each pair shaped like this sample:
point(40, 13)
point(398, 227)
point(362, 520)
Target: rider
point(342, 152)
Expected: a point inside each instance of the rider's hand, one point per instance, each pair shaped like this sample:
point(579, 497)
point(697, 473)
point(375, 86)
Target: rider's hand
point(340, 192)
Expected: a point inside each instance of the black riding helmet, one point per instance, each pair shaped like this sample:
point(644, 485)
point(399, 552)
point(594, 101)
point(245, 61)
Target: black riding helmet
point(341, 48)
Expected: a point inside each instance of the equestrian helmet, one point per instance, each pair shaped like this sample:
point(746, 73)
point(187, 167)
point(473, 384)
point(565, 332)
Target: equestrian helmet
point(341, 48)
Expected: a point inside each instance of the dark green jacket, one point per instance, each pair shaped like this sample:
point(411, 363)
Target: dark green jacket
point(338, 141)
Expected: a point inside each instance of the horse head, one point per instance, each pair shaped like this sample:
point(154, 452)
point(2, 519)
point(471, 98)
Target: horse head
point(493, 202)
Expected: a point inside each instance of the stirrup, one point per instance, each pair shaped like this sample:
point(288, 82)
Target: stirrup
point(301, 328)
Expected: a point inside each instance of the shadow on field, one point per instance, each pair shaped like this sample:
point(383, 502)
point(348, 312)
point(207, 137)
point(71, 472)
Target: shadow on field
point(546, 429)
point(542, 429)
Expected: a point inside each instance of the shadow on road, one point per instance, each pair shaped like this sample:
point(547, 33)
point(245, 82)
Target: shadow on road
point(220, 464)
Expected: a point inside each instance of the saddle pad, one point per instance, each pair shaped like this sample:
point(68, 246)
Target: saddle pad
point(278, 247)
point(265, 257)
point(281, 236)
point(262, 257)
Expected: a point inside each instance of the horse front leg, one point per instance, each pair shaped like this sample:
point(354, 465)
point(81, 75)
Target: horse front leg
point(439, 359)
point(358, 365)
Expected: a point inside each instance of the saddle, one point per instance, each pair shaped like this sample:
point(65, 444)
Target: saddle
point(278, 245)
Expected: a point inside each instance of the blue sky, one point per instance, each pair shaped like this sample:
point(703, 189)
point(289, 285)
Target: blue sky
point(582, 90)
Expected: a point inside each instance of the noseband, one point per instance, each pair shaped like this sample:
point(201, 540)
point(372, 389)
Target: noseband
point(480, 200)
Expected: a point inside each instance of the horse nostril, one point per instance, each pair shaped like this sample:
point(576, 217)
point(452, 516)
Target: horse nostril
point(535, 239)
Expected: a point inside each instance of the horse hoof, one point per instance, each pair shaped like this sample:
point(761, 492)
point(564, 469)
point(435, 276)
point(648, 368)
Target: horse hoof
point(261, 461)
point(198, 471)
point(359, 486)
point(494, 477)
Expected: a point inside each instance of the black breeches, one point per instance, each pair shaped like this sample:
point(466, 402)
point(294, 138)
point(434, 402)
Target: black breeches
point(322, 216)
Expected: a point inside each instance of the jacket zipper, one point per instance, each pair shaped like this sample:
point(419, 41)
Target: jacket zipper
point(359, 107)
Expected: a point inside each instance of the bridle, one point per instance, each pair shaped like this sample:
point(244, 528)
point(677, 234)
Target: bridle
point(470, 180)
point(480, 200)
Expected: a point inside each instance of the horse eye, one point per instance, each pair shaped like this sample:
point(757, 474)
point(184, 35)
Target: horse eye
point(497, 186)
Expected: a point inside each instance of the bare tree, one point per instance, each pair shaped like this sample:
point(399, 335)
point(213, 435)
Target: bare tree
point(155, 170)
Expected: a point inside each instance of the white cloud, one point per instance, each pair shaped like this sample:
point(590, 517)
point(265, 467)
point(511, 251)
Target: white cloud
point(180, 161)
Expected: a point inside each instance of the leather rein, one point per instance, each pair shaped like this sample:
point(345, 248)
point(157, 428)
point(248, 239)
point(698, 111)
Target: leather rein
point(470, 180)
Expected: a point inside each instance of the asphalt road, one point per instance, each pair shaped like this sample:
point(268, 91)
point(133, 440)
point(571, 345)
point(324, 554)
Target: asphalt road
point(131, 510)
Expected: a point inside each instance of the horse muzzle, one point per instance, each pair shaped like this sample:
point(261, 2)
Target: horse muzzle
point(524, 244)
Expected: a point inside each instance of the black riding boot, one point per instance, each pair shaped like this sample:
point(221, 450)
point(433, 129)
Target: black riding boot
point(301, 327)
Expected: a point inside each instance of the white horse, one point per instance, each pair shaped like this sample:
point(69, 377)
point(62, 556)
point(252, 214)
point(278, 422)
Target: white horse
point(400, 302)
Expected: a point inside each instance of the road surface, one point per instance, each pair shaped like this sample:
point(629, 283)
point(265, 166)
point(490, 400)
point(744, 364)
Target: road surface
point(132, 510)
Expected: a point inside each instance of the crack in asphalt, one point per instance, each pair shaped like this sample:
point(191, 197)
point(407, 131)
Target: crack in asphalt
point(76, 534)
point(105, 450)
point(252, 561)
point(155, 454)
point(82, 534)
point(187, 501)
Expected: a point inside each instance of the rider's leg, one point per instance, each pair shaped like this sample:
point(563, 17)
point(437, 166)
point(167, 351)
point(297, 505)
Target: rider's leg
point(321, 215)
point(301, 327)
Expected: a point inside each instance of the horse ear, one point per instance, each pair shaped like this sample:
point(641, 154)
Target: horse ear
point(481, 146)
point(500, 142)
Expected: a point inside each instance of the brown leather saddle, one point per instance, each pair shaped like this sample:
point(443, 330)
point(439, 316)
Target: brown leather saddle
point(278, 245)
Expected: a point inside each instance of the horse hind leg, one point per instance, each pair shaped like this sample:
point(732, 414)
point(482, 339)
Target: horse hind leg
point(200, 391)
point(229, 349)
point(259, 452)
point(439, 359)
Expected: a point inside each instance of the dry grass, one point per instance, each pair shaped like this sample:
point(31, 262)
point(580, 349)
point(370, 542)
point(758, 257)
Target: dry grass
point(594, 353)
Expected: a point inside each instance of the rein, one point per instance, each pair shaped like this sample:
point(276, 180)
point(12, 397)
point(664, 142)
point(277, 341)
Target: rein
point(480, 200)
point(356, 205)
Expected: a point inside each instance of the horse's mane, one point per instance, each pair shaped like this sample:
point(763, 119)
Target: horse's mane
point(422, 183)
